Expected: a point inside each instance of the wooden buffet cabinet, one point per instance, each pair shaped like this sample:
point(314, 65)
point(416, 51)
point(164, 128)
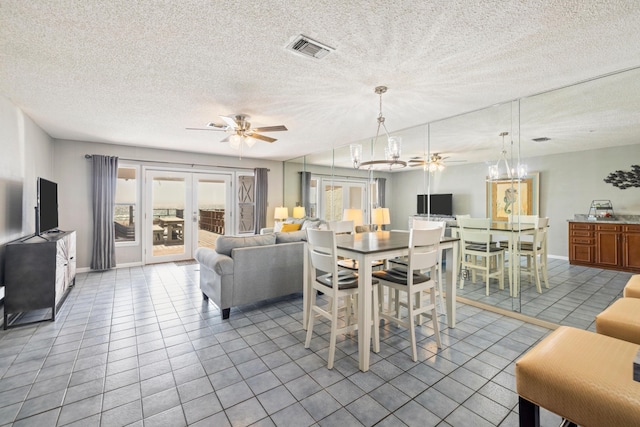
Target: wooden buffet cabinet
point(606, 245)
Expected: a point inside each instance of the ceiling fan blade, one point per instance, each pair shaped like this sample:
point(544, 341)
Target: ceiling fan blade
point(270, 129)
point(260, 137)
point(226, 139)
point(211, 128)
point(230, 121)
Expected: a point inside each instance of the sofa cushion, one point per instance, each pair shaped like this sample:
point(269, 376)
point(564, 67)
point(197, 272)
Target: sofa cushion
point(292, 236)
point(225, 244)
point(290, 227)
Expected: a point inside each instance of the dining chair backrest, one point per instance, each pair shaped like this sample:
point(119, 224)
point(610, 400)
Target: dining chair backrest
point(322, 250)
point(341, 227)
point(523, 219)
point(541, 233)
point(428, 225)
point(475, 230)
point(423, 249)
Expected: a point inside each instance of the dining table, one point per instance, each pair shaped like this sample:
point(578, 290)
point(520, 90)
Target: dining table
point(381, 245)
point(173, 223)
point(511, 231)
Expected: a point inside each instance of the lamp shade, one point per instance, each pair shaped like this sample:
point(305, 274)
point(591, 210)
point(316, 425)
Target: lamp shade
point(299, 212)
point(381, 217)
point(281, 213)
point(354, 215)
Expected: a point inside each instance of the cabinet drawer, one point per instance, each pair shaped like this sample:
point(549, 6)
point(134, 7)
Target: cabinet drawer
point(634, 228)
point(583, 240)
point(580, 226)
point(581, 233)
point(608, 227)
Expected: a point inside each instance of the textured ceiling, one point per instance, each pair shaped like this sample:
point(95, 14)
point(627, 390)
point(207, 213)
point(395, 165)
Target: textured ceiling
point(140, 72)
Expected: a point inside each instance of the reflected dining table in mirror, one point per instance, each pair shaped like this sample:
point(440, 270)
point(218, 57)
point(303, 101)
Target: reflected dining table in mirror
point(371, 246)
point(510, 231)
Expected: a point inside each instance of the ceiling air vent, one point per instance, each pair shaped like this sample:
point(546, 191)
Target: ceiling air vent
point(541, 139)
point(305, 46)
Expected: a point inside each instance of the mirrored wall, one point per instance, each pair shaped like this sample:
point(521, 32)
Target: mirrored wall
point(569, 139)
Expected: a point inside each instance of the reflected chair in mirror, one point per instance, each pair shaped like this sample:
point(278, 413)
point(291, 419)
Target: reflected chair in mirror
point(535, 251)
point(478, 252)
point(454, 233)
point(335, 284)
point(341, 227)
point(423, 255)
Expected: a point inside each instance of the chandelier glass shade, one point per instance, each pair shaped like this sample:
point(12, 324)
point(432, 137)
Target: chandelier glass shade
point(392, 151)
point(502, 170)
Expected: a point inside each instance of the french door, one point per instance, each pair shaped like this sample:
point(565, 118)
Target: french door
point(184, 211)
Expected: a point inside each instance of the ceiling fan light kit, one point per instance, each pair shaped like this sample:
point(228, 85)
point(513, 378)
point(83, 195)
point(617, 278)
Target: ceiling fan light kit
point(392, 151)
point(242, 132)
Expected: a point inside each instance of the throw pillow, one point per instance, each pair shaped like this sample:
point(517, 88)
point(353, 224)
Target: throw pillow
point(311, 224)
point(277, 227)
point(225, 244)
point(290, 227)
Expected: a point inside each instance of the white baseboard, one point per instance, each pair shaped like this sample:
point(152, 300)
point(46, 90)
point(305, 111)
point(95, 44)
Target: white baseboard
point(127, 265)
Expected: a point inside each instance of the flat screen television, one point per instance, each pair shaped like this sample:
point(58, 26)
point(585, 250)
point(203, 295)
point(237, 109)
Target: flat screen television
point(440, 204)
point(47, 209)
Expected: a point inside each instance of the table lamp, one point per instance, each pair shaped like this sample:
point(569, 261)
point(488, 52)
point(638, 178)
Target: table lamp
point(299, 212)
point(354, 215)
point(381, 217)
point(281, 213)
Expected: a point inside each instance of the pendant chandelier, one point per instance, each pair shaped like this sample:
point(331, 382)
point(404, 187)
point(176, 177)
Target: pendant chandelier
point(391, 152)
point(502, 171)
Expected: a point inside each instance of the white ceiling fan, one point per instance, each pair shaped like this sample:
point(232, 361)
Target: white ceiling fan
point(435, 162)
point(240, 129)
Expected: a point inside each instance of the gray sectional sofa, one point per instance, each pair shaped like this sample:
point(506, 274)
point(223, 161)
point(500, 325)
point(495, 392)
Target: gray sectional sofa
point(245, 270)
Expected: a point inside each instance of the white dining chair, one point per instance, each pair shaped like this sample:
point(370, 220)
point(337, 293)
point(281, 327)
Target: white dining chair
point(423, 255)
point(478, 252)
point(335, 284)
point(535, 253)
point(419, 224)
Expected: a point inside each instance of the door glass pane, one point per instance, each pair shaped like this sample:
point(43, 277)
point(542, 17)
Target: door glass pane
point(333, 202)
point(125, 213)
point(168, 203)
point(211, 211)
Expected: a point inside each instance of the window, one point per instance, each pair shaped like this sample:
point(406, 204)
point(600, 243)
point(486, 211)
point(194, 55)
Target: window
point(125, 214)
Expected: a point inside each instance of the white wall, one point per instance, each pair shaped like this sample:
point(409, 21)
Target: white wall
point(73, 174)
point(568, 184)
point(26, 154)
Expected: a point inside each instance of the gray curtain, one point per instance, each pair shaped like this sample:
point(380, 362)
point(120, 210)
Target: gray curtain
point(305, 191)
point(105, 175)
point(381, 185)
point(260, 187)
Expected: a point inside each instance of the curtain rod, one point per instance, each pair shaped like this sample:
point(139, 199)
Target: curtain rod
point(88, 156)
